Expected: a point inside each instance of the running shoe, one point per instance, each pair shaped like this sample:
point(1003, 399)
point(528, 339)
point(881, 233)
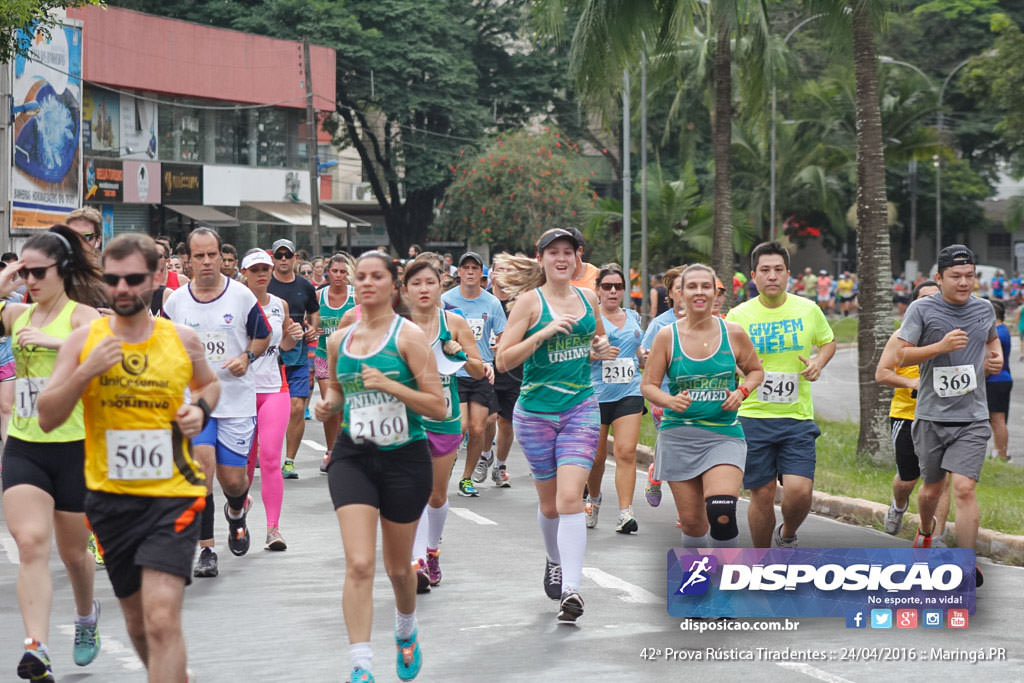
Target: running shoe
point(923, 540)
point(894, 519)
point(238, 532)
point(466, 488)
point(434, 565)
point(653, 489)
point(409, 659)
point(360, 675)
point(780, 542)
point(422, 577)
point(553, 580)
point(323, 462)
point(499, 475)
point(87, 639)
point(288, 470)
point(571, 607)
point(484, 464)
point(627, 522)
point(978, 578)
point(207, 564)
point(94, 548)
point(590, 508)
point(275, 541)
point(35, 663)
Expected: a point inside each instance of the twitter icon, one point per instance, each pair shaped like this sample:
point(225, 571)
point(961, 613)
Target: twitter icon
point(881, 618)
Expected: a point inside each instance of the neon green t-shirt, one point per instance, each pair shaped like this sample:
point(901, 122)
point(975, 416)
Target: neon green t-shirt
point(780, 336)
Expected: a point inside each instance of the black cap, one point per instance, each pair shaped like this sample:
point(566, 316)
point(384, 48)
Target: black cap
point(471, 256)
point(955, 255)
point(557, 234)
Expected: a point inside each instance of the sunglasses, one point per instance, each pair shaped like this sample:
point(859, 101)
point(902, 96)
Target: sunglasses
point(283, 256)
point(132, 279)
point(90, 236)
point(37, 273)
point(609, 286)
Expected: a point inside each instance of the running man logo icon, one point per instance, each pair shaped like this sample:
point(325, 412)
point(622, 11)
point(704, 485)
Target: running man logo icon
point(696, 576)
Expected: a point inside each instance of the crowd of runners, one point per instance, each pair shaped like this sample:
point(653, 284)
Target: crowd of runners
point(136, 384)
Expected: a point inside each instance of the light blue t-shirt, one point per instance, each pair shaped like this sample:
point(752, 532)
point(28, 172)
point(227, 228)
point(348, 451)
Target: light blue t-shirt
point(484, 315)
point(655, 326)
point(608, 376)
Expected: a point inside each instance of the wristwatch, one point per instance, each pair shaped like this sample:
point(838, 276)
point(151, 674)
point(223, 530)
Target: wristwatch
point(250, 355)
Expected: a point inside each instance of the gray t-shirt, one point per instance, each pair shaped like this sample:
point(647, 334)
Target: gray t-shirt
point(942, 394)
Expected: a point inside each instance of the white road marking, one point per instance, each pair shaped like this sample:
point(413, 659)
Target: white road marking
point(813, 672)
point(10, 547)
point(629, 592)
point(314, 445)
point(472, 516)
point(111, 647)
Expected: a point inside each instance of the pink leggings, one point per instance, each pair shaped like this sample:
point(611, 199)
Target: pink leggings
point(272, 412)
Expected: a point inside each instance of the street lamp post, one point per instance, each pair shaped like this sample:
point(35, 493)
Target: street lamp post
point(938, 163)
point(771, 161)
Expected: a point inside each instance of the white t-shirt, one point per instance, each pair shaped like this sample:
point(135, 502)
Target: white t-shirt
point(268, 375)
point(224, 325)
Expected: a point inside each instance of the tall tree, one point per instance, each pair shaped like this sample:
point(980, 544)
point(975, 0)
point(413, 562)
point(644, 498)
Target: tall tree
point(22, 14)
point(860, 19)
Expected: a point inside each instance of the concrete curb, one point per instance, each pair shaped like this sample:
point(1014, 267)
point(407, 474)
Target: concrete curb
point(992, 544)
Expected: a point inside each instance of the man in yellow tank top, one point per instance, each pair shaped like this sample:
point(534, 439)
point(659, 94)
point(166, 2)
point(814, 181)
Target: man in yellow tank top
point(145, 489)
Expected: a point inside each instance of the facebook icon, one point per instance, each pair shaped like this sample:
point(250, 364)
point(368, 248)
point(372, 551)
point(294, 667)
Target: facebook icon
point(856, 620)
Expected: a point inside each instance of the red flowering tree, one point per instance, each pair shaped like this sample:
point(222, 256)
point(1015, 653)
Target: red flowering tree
point(518, 187)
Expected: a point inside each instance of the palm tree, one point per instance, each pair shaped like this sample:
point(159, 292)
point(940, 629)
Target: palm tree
point(861, 19)
point(609, 36)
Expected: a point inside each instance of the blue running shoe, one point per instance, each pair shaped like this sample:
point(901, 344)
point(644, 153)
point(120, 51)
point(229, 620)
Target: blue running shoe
point(360, 675)
point(87, 639)
point(35, 663)
point(409, 659)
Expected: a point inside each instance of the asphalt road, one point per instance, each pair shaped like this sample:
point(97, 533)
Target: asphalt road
point(836, 394)
point(277, 616)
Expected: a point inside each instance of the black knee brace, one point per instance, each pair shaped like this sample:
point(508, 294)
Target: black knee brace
point(237, 502)
point(719, 508)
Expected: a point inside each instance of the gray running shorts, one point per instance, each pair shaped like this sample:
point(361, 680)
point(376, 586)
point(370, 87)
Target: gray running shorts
point(957, 447)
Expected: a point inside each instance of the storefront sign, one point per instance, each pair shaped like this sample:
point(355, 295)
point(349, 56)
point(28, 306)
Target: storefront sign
point(142, 182)
point(104, 180)
point(181, 183)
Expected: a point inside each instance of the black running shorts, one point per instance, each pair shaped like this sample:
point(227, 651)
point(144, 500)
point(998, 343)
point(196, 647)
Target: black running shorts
point(55, 467)
point(135, 532)
point(396, 482)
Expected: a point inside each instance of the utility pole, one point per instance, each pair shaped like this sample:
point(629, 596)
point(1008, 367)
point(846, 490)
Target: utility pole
point(314, 173)
point(644, 301)
point(6, 135)
point(626, 180)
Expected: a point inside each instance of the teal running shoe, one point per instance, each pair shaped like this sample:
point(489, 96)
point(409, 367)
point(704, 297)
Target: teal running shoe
point(360, 675)
point(87, 639)
point(35, 663)
point(409, 659)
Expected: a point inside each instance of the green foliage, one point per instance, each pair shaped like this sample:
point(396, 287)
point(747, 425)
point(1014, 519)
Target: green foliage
point(520, 185)
point(996, 79)
point(21, 14)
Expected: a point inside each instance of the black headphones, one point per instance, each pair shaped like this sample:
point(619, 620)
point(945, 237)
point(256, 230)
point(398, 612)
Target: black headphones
point(65, 260)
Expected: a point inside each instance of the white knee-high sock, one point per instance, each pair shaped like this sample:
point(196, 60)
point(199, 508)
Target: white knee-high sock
point(419, 543)
point(572, 544)
point(437, 518)
point(549, 530)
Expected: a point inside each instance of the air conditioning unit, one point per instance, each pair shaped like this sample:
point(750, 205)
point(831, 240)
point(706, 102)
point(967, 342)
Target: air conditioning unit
point(362, 192)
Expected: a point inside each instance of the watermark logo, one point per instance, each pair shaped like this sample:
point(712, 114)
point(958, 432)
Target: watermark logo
point(881, 618)
point(696, 580)
point(906, 618)
point(856, 619)
point(957, 618)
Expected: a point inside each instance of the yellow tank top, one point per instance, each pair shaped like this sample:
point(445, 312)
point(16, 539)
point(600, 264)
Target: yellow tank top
point(34, 365)
point(132, 445)
point(902, 405)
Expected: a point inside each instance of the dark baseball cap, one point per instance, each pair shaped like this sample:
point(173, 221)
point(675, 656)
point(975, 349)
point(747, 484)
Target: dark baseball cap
point(557, 234)
point(955, 255)
point(471, 256)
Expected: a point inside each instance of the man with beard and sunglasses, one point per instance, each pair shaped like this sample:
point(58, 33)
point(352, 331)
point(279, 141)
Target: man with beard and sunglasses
point(145, 490)
point(234, 332)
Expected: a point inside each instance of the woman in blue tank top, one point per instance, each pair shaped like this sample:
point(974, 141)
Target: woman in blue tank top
point(384, 380)
point(552, 332)
point(701, 451)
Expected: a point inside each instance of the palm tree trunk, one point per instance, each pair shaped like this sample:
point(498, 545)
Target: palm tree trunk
point(721, 241)
point(874, 268)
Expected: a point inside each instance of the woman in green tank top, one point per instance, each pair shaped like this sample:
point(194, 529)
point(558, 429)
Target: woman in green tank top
point(44, 472)
point(385, 380)
point(452, 334)
point(553, 331)
point(700, 450)
point(335, 300)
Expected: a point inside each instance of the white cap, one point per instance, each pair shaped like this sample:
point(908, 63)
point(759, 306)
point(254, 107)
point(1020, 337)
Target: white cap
point(255, 257)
